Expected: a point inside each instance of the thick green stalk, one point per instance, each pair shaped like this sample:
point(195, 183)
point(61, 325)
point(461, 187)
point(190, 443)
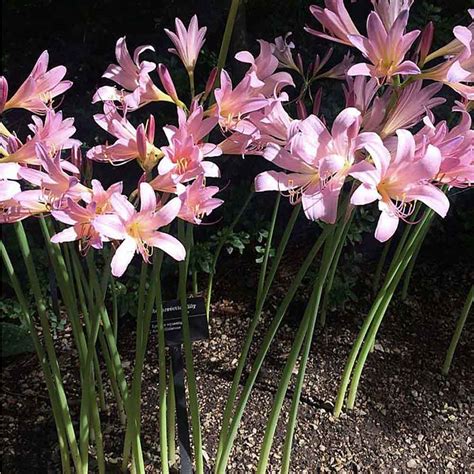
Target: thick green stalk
point(260, 301)
point(457, 332)
point(380, 265)
point(219, 247)
point(190, 374)
point(406, 256)
point(332, 272)
point(42, 357)
point(394, 267)
point(162, 376)
point(264, 347)
point(229, 28)
point(171, 420)
point(266, 256)
point(305, 334)
point(41, 308)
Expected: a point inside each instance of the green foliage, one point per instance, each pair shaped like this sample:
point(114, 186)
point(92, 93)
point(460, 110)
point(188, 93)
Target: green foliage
point(15, 340)
point(232, 240)
point(362, 223)
point(262, 239)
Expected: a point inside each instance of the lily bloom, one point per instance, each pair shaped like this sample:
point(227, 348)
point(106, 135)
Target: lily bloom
point(397, 181)
point(138, 230)
point(188, 42)
point(197, 200)
point(132, 143)
point(264, 78)
point(413, 102)
point(39, 89)
point(133, 76)
point(182, 162)
point(458, 69)
point(385, 48)
point(54, 134)
point(55, 185)
point(319, 162)
point(281, 49)
point(232, 104)
point(336, 20)
point(388, 10)
point(196, 125)
point(456, 147)
point(82, 218)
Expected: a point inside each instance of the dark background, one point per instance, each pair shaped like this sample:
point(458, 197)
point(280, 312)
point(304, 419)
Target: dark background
point(82, 35)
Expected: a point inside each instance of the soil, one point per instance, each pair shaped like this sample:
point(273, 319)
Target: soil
point(408, 417)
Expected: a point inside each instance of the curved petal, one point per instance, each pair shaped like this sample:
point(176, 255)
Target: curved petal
point(169, 244)
point(123, 256)
point(386, 226)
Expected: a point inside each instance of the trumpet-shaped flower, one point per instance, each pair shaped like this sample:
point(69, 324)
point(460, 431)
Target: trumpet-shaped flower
point(388, 10)
point(262, 72)
point(456, 147)
point(385, 48)
point(55, 185)
point(36, 94)
point(182, 162)
point(133, 76)
point(232, 104)
point(335, 20)
point(53, 134)
point(138, 230)
point(396, 181)
point(318, 161)
point(188, 42)
point(413, 103)
point(281, 49)
point(82, 218)
point(132, 143)
point(197, 200)
point(196, 125)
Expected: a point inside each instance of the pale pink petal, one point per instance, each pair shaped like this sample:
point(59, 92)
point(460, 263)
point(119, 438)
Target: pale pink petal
point(364, 194)
point(123, 256)
point(168, 244)
point(66, 235)
point(432, 197)
point(147, 198)
point(386, 226)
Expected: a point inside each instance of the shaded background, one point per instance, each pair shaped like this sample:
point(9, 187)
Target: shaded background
point(82, 36)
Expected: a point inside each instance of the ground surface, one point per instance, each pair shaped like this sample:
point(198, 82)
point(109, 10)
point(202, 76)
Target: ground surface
point(408, 416)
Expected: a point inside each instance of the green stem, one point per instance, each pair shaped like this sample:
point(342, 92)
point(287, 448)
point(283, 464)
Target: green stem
point(41, 308)
point(162, 376)
point(332, 272)
point(171, 420)
point(305, 334)
point(219, 248)
point(261, 298)
point(229, 28)
point(457, 332)
point(192, 89)
point(380, 265)
point(42, 357)
point(264, 347)
point(190, 374)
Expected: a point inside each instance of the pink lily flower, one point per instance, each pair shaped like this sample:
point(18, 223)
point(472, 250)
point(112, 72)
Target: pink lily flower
point(335, 20)
point(388, 10)
point(397, 181)
point(318, 161)
point(132, 143)
point(188, 42)
point(262, 73)
point(458, 69)
point(385, 48)
point(281, 49)
point(82, 218)
point(54, 134)
point(55, 185)
point(196, 125)
point(197, 200)
point(138, 230)
point(413, 102)
point(39, 89)
point(8, 181)
point(182, 162)
point(456, 147)
point(233, 104)
point(133, 76)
